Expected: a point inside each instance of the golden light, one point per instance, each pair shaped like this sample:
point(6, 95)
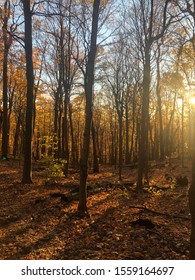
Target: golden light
point(179, 102)
point(192, 100)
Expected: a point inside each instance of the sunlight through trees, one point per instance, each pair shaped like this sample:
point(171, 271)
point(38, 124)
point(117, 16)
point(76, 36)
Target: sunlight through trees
point(87, 84)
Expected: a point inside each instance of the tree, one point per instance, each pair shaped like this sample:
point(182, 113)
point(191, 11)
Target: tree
point(82, 206)
point(159, 102)
point(7, 39)
point(117, 80)
point(192, 198)
point(27, 169)
point(188, 8)
point(147, 18)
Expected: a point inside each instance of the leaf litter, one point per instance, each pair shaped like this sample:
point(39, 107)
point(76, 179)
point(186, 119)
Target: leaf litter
point(122, 224)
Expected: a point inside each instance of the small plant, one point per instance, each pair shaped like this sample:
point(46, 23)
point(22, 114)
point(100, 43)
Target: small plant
point(54, 170)
point(55, 167)
point(123, 193)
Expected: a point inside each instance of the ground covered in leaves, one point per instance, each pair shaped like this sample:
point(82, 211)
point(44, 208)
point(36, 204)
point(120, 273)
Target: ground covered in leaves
point(40, 221)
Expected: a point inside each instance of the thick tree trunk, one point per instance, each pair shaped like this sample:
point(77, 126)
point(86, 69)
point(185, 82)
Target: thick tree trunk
point(27, 170)
point(143, 149)
point(82, 206)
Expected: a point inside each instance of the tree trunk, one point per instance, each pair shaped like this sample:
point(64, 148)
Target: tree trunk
point(143, 149)
point(37, 155)
point(82, 206)
point(55, 137)
point(27, 170)
point(16, 136)
point(120, 120)
point(127, 153)
point(67, 86)
point(132, 152)
point(7, 45)
point(192, 196)
point(158, 93)
point(65, 142)
point(73, 144)
point(59, 153)
point(95, 156)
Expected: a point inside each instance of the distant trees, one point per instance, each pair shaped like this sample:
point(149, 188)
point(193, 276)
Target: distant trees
point(188, 8)
point(62, 55)
point(100, 97)
point(117, 75)
point(151, 21)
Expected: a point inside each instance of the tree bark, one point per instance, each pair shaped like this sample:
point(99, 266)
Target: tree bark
point(120, 120)
point(27, 170)
point(158, 93)
point(192, 196)
point(143, 149)
point(72, 136)
point(7, 45)
point(16, 136)
point(82, 206)
point(95, 156)
point(127, 152)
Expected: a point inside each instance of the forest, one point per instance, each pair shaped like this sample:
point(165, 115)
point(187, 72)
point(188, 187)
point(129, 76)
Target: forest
point(97, 129)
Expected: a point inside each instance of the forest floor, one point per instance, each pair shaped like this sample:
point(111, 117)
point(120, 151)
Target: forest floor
point(40, 221)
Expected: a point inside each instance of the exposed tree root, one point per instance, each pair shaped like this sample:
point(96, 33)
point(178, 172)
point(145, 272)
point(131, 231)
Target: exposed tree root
point(160, 213)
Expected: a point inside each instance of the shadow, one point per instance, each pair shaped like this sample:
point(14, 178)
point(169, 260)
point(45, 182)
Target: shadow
point(39, 226)
point(4, 223)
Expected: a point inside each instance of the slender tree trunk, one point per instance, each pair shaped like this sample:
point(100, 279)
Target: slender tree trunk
point(38, 156)
point(5, 116)
point(59, 154)
point(127, 153)
point(120, 146)
point(73, 144)
point(7, 44)
point(82, 206)
point(95, 156)
point(168, 139)
point(133, 129)
point(1, 120)
point(67, 86)
point(16, 136)
point(192, 195)
point(65, 133)
point(27, 170)
point(55, 137)
point(158, 93)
